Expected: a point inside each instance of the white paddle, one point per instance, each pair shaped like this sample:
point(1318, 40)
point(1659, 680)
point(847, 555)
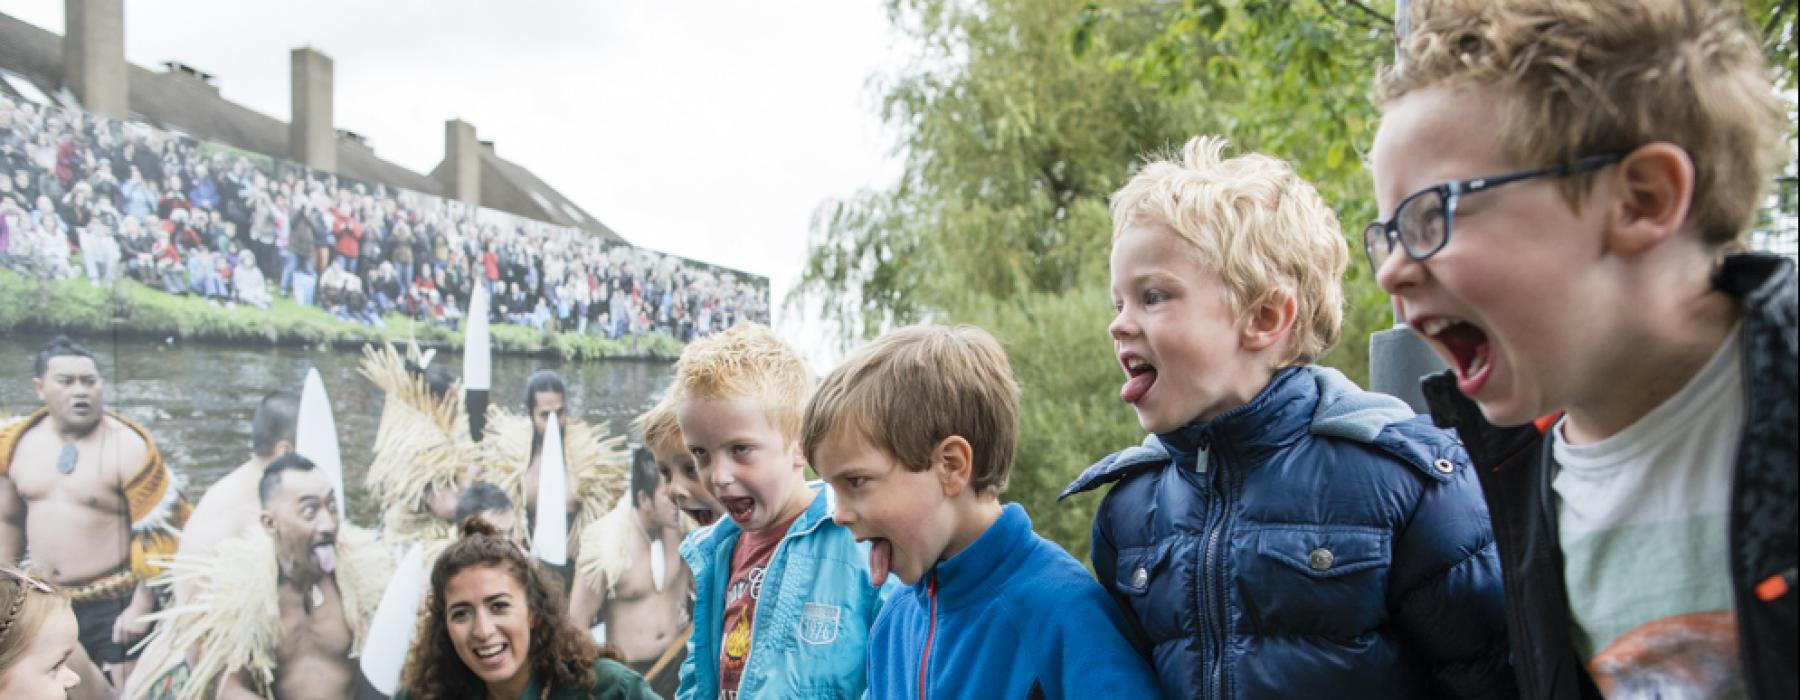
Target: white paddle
point(315, 435)
point(550, 534)
point(391, 631)
point(477, 363)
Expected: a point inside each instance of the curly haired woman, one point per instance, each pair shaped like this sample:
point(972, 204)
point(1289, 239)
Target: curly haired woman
point(496, 619)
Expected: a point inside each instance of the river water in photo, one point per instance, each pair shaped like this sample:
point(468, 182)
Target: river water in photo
point(197, 399)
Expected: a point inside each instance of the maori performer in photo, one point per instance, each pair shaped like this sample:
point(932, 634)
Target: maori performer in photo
point(424, 455)
point(596, 465)
point(86, 498)
point(279, 613)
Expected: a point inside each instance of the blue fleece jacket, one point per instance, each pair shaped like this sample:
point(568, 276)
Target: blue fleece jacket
point(1009, 615)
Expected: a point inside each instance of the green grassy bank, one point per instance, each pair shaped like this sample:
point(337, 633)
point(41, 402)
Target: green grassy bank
point(130, 308)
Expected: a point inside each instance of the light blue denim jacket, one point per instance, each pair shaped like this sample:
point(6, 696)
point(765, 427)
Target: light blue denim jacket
point(812, 622)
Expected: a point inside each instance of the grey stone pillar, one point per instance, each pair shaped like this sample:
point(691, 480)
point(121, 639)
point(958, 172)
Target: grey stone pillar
point(462, 162)
point(312, 139)
point(94, 56)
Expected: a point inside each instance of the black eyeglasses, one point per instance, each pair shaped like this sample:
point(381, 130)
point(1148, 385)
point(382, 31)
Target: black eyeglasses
point(1421, 222)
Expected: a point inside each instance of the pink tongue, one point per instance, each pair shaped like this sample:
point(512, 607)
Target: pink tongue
point(881, 555)
point(326, 555)
point(1137, 386)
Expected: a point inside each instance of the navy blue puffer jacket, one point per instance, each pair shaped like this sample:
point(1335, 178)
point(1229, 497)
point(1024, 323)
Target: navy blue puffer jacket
point(1318, 541)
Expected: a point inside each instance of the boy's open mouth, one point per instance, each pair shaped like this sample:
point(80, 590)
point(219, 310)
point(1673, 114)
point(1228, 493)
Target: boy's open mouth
point(740, 508)
point(1467, 345)
point(881, 560)
point(1141, 375)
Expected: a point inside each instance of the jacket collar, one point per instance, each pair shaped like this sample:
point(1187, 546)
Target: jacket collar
point(1278, 415)
point(974, 575)
point(705, 540)
point(1757, 280)
point(1298, 400)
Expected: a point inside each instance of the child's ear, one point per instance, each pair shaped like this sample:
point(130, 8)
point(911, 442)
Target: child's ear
point(798, 454)
point(1268, 320)
point(956, 457)
point(1655, 187)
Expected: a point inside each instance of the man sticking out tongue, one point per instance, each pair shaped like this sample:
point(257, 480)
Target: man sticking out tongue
point(324, 591)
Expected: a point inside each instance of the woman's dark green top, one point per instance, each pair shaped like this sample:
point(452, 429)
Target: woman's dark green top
point(614, 681)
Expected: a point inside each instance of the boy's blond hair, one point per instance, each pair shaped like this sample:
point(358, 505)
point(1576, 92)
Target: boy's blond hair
point(910, 389)
point(747, 360)
point(1253, 222)
point(658, 429)
point(1578, 79)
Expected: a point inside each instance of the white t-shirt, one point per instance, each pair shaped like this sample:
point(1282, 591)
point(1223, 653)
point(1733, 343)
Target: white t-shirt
point(1642, 519)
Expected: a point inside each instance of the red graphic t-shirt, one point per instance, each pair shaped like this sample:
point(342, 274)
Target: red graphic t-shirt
point(748, 563)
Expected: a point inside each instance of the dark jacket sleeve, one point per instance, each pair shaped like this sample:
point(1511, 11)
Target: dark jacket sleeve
point(1106, 561)
point(1447, 596)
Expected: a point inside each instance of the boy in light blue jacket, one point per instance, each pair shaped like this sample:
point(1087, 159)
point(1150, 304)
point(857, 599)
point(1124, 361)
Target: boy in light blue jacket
point(915, 436)
point(738, 397)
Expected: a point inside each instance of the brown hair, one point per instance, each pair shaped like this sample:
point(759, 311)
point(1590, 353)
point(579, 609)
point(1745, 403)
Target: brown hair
point(561, 655)
point(910, 389)
point(23, 609)
point(747, 359)
point(1578, 79)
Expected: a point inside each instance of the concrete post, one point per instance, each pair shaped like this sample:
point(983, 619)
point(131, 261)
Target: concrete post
point(312, 139)
point(94, 56)
point(462, 162)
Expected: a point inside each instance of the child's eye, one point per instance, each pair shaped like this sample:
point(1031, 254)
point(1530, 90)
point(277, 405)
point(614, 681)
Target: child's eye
point(740, 450)
point(1118, 306)
point(856, 482)
point(1154, 296)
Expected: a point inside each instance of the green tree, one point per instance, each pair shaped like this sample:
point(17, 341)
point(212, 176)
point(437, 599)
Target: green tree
point(1012, 145)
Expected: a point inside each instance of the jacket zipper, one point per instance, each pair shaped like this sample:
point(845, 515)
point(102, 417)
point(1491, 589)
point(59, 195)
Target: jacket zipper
point(1211, 603)
point(930, 632)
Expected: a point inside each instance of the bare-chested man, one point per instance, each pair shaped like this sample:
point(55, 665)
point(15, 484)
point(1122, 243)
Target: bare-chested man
point(632, 586)
point(324, 583)
point(230, 507)
point(85, 496)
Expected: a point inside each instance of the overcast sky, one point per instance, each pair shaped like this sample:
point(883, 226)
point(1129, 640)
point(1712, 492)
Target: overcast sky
point(706, 129)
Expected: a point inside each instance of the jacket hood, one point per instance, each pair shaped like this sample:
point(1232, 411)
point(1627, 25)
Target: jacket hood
point(1307, 399)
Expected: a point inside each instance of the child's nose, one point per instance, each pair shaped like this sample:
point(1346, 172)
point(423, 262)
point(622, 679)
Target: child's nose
point(1122, 326)
point(1398, 272)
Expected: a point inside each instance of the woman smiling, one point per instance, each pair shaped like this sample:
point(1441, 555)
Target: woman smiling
point(495, 619)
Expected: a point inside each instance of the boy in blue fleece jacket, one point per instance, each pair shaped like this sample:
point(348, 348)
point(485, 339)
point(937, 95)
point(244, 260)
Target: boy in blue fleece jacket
point(914, 434)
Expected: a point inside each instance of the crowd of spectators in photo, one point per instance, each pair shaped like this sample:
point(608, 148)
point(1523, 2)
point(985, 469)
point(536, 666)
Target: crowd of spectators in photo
point(87, 196)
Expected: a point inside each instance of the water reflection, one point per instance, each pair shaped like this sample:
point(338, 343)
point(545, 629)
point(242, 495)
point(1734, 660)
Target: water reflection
point(197, 400)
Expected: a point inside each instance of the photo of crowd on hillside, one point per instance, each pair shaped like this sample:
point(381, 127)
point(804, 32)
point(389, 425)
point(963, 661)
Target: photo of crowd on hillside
point(85, 196)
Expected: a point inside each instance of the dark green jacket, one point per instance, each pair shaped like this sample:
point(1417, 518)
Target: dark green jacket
point(614, 681)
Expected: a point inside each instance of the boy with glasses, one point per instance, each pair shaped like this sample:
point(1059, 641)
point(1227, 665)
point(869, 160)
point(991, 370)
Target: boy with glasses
point(1565, 186)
